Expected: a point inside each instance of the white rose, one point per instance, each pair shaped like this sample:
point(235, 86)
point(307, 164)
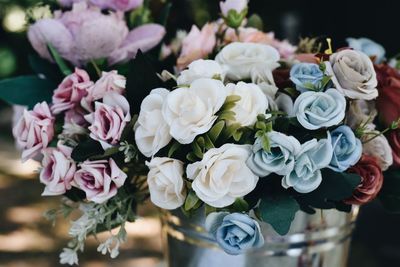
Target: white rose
point(151, 130)
point(380, 149)
point(252, 102)
point(353, 74)
point(191, 111)
point(244, 59)
point(166, 184)
point(222, 175)
point(201, 69)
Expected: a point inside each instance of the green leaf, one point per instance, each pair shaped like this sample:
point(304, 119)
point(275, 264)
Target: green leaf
point(255, 21)
point(237, 135)
point(174, 147)
point(335, 187)
point(390, 193)
point(208, 143)
point(197, 150)
point(59, 60)
point(279, 211)
point(165, 14)
point(108, 153)
point(191, 157)
point(216, 131)
point(26, 90)
point(209, 209)
point(232, 99)
point(240, 205)
point(265, 143)
point(141, 80)
point(191, 201)
point(86, 149)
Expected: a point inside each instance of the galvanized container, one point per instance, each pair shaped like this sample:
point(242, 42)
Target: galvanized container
point(319, 240)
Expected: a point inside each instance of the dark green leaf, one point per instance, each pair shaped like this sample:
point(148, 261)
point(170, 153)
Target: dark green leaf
point(240, 205)
point(335, 188)
point(165, 14)
point(87, 149)
point(46, 69)
point(26, 90)
point(107, 154)
point(59, 60)
point(279, 211)
point(141, 80)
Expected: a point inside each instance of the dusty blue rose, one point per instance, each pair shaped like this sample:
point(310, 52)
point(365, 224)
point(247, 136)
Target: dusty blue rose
point(306, 175)
point(315, 110)
point(369, 47)
point(235, 233)
point(306, 76)
point(347, 149)
point(279, 160)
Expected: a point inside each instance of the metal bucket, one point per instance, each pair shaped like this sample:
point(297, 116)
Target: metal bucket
point(319, 240)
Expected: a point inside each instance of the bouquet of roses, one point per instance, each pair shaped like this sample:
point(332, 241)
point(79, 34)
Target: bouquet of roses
point(248, 129)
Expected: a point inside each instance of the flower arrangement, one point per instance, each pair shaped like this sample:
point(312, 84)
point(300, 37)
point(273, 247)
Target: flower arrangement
point(248, 129)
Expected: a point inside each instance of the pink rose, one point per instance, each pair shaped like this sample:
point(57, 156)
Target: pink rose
point(109, 119)
point(58, 170)
point(197, 44)
point(99, 179)
point(71, 91)
point(119, 5)
point(109, 82)
point(85, 33)
point(34, 130)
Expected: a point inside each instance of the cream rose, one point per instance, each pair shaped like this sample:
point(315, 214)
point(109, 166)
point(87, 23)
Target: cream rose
point(166, 184)
point(353, 74)
point(380, 149)
point(191, 111)
point(222, 175)
point(201, 69)
point(252, 102)
point(151, 130)
point(242, 60)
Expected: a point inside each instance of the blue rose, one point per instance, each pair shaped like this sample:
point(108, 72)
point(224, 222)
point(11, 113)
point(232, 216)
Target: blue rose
point(306, 175)
point(306, 76)
point(347, 149)
point(315, 110)
point(369, 47)
point(279, 160)
point(235, 233)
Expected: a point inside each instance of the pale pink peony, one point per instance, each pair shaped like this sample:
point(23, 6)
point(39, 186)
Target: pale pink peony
point(197, 44)
point(99, 179)
point(34, 130)
point(109, 119)
point(71, 91)
point(85, 33)
point(236, 5)
point(119, 5)
point(58, 170)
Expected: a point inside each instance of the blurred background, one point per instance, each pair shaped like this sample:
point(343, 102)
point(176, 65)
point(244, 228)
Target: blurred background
point(27, 239)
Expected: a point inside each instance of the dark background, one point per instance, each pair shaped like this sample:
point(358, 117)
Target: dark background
point(376, 241)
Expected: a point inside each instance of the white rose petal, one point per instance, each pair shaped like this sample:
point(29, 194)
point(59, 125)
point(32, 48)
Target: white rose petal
point(245, 60)
point(252, 102)
point(151, 130)
point(191, 111)
point(222, 175)
point(166, 184)
point(201, 69)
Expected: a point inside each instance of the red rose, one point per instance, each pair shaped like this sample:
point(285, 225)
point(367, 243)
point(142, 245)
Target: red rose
point(388, 102)
point(371, 180)
point(394, 141)
point(282, 78)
